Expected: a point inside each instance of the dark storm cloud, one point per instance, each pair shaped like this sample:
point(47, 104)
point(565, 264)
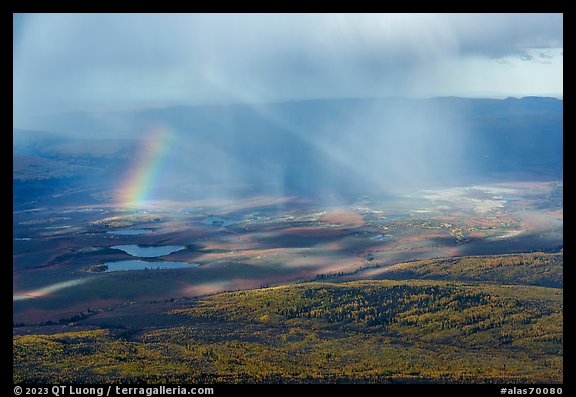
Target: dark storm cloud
point(73, 60)
point(500, 35)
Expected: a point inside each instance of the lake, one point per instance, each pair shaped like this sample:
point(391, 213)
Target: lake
point(397, 216)
point(148, 252)
point(381, 237)
point(144, 265)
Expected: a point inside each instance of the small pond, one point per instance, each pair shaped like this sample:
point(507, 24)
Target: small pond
point(144, 265)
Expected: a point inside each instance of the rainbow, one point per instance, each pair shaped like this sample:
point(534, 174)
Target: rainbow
point(135, 187)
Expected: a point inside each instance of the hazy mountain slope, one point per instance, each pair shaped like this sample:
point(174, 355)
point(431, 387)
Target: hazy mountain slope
point(319, 148)
point(334, 142)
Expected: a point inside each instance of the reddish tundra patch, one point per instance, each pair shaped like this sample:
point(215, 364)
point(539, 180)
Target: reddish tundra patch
point(312, 232)
point(558, 214)
point(344, 218)
point(207, 288)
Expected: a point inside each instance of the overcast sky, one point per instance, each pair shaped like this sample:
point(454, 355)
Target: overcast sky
point(91, 61)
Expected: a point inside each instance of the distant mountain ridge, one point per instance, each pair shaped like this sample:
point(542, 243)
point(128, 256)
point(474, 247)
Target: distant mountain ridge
point(127, 122)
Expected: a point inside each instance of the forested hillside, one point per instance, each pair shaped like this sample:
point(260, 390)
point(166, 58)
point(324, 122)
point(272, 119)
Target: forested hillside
point(364, 331)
